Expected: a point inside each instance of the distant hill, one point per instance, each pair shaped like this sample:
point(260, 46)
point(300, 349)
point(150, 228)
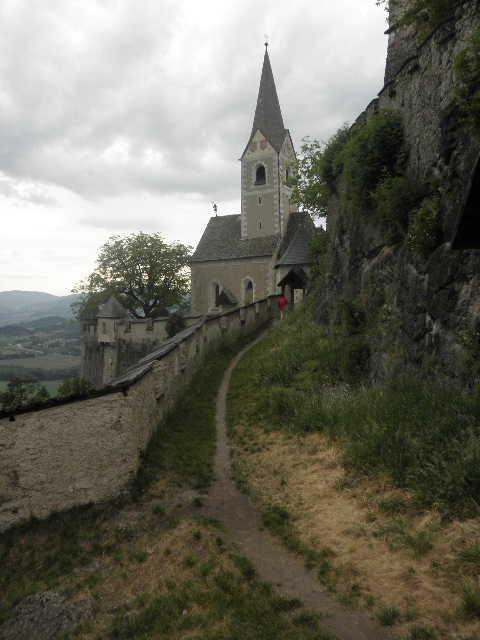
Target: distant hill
point(10, 330)
point(23, 307)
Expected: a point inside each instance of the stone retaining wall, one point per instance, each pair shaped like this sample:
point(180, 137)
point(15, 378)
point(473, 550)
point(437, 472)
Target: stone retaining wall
point(86, 449)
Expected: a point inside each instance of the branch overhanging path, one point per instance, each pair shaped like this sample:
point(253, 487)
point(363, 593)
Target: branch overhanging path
point(273, 562)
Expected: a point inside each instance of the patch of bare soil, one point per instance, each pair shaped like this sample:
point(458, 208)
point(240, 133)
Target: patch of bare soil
point(378, 559)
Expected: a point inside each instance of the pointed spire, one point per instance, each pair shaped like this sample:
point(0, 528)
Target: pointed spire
point(268, 116)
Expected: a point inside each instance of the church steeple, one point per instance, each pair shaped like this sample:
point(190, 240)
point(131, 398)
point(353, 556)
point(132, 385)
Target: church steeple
point(268, 115)
point(269, 151)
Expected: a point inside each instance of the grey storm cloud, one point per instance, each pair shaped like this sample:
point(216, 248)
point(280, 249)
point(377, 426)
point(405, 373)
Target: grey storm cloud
point(103, 98)
point(120, 116)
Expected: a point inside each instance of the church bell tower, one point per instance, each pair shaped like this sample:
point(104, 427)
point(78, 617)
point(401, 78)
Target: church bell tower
point(265, 198)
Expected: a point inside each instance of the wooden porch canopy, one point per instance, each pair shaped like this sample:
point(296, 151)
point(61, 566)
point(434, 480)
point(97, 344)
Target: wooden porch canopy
point(295, 278)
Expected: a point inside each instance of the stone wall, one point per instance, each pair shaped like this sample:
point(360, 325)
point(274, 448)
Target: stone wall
point(111, 346)
point(86, 449)
point(420, 306)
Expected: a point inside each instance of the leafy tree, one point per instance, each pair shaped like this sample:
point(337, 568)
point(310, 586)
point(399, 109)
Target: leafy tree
point(175, 323)
point(23, 390)
point(141, 270)
point(72, 386)
point(314, 175)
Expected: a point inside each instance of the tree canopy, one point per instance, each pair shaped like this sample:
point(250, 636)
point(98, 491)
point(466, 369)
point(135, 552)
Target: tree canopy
point(141, 270)
point(23, 390)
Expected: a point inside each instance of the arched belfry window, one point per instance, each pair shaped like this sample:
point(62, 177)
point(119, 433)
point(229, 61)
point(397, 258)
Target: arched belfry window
point(260, 175)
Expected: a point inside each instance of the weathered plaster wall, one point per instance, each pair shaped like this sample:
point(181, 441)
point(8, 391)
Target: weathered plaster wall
point(86, 449)
point(110, 346)
point(231, 274)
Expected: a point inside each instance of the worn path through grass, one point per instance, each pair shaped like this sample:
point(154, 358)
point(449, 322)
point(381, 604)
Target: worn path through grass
point(273, 562)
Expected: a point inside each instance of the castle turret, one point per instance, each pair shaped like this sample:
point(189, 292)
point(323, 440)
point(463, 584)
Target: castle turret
point(108, 318)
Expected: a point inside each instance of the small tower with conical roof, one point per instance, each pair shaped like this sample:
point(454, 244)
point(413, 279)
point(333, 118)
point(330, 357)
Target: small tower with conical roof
point(265, 163)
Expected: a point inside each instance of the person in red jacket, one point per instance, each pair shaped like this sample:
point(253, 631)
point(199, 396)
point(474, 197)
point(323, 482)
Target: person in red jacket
point(282, 304)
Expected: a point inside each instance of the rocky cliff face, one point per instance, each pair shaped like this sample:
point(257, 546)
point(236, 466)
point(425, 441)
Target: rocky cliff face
point(425, 309)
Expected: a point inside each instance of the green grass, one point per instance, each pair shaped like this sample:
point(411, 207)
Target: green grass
point(217, 601)
point(388, 616)
point(417, 433)
point(184, 443)
point(471, 601)
point(36, 556)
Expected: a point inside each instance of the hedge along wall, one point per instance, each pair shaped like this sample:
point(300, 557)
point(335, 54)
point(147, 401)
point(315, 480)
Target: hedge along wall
point(87, 449)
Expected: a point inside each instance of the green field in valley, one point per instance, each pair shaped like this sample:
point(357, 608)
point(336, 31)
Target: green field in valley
point(51, 385)
point(50, 361)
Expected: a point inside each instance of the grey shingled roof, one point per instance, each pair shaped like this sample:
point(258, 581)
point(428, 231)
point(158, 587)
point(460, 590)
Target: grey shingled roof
point(112, 309)
point(222, 240)
point(268, 115)
point(297, 219)
point(296, 252)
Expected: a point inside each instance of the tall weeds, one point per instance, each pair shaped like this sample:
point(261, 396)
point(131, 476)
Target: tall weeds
point(417, 433)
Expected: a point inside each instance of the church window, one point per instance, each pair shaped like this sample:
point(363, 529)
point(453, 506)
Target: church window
point(215, 294)
point(104, 327)
point(259, 199)
point(287, 176)
point(248, 292)
point(260, 224)
point(260, 175)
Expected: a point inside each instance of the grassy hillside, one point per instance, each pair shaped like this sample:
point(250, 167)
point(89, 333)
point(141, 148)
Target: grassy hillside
point(377, 487)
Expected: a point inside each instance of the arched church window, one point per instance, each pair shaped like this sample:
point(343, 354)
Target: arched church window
point(260, 175)
point(248, 292)
point(216, 293)
point(288, 175)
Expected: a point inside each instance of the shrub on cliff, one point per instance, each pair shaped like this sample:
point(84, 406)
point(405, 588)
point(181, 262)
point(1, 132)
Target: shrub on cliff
point(467, 87)
point(366, 164)
point(423, 15)
point(375, 154)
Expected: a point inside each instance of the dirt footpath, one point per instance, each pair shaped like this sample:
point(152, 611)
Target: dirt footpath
point(273, 562)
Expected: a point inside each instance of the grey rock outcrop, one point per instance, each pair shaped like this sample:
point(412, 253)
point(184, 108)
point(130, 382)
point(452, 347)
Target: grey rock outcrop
point(45, 616)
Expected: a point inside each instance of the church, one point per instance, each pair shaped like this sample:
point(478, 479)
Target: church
point(262, 251)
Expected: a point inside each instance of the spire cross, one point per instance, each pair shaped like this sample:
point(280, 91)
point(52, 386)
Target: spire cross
point(266, 41)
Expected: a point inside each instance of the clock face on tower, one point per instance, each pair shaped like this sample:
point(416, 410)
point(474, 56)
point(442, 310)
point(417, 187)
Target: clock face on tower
point(263, 144)
point(253, 147)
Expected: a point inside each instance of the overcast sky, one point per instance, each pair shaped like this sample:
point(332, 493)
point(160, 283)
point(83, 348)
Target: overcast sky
point(120, 116)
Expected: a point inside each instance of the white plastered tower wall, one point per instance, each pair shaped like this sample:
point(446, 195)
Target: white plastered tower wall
point(265, 205)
